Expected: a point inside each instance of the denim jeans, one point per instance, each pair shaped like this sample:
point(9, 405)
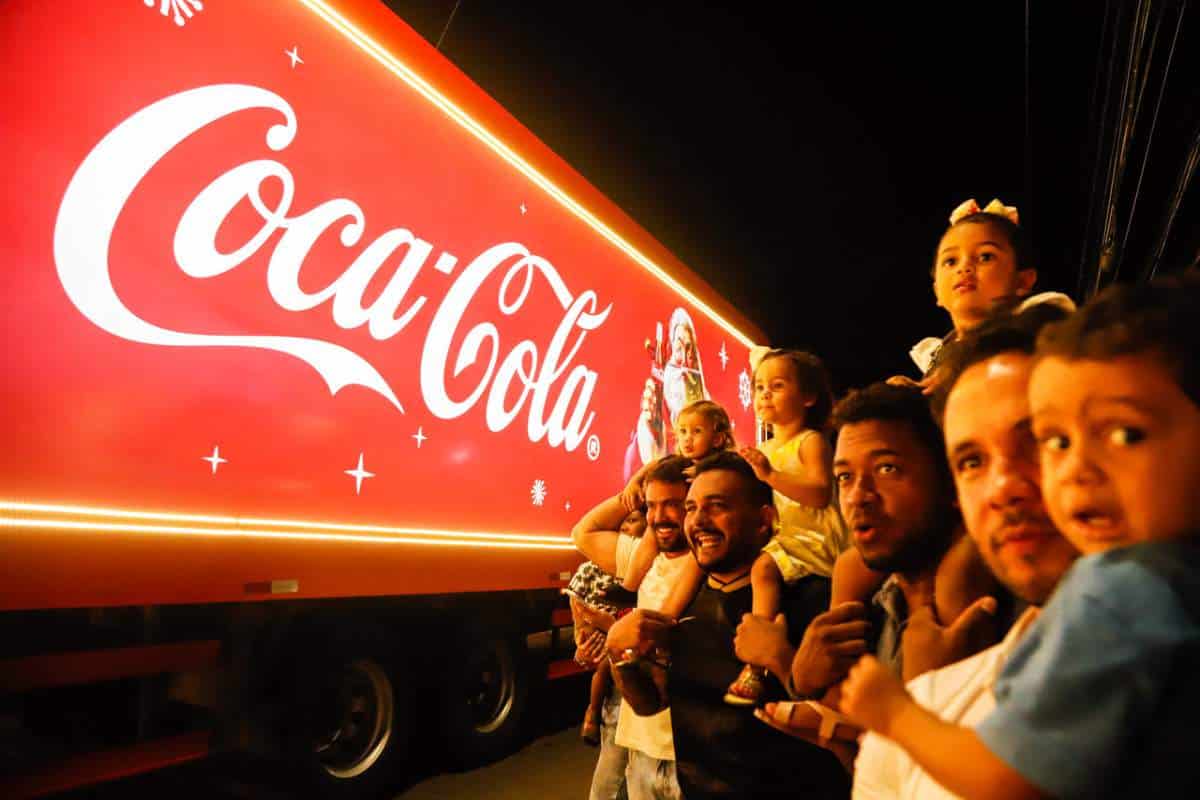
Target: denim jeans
point(608, 781)
point(651, 778)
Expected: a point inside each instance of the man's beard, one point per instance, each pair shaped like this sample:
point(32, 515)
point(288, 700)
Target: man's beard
point(677, 541)
point(920, 550)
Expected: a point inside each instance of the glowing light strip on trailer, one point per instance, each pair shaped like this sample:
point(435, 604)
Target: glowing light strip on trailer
point(234, 521)
point(400, 70)
point(180, 530)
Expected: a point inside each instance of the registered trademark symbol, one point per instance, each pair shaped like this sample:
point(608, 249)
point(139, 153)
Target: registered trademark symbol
point(593, 447)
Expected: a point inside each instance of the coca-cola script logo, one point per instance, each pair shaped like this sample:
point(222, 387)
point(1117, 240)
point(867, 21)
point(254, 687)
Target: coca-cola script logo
point(111, 172)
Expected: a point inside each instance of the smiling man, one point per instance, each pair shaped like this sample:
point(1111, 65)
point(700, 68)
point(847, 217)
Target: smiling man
point(650, 773)
point(723, 751)
point(993, 458)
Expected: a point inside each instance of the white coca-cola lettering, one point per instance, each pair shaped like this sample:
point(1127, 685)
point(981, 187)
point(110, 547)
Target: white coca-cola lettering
point(435, 356)
point(111, 172)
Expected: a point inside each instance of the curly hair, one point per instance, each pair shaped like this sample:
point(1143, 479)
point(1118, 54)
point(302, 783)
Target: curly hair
point(887, 403)
point(1003, 333)
point(1158, 319)
point(759, 493)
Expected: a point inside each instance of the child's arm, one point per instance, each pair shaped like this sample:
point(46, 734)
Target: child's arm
point(643, 558)
point(854, 580)
point(812, 486)
point(596, 534)
point(631, 496)
point(954, 756)
point(686, 585)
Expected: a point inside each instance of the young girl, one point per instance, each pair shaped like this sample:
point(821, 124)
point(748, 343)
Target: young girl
point(702, 428)
point(983, 263)
point(1098, 698)
point(792, 394)
point(588, 594)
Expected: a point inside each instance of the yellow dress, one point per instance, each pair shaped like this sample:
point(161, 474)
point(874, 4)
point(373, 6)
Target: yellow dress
point(808, 540)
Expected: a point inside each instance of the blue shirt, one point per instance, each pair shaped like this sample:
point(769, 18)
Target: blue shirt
point(1084, 684)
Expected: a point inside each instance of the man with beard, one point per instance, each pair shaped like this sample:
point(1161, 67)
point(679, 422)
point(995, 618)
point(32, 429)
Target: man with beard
point(993, 457)
point(720, 750)
point(897, 498)
point(650, 772)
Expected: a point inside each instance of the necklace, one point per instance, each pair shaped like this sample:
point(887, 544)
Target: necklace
point(736, 582)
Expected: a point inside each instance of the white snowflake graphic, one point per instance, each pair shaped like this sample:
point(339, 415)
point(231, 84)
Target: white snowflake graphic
point(537, 492)
point(182, 9)
point(745, 392)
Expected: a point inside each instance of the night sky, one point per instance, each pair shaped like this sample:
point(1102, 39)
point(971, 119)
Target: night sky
point(803, 158)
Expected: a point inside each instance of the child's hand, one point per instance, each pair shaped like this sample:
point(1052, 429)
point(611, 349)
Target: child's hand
point(589, 652)
point(631, 496)
point(872, 696)
point(756, 459)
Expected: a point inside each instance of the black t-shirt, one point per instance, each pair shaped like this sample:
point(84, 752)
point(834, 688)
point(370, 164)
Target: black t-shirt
point(722, 750)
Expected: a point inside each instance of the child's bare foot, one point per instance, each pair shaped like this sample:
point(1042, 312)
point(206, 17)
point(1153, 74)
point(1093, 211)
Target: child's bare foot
point(748, 689)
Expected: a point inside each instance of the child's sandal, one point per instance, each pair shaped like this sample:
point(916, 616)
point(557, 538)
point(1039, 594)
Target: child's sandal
point(748, 689)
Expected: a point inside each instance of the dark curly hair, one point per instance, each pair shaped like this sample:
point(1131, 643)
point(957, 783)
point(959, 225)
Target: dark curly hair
point(1003, 333)
point(887, 403)
point(1161, 318)
point(760, 494)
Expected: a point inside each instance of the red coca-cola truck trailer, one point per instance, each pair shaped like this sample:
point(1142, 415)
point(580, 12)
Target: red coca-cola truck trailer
point(312, 357)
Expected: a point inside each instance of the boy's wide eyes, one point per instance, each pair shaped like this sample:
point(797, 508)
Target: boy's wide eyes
point(1054, 441)
point(968, 463)
point(1125, 435)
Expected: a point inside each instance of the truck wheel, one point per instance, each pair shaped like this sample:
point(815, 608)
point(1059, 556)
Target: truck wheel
point(353, 718)
point(484, 697)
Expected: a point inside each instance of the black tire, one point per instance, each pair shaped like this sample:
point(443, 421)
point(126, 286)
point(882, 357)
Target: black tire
point(484, 696)
point(350, 719)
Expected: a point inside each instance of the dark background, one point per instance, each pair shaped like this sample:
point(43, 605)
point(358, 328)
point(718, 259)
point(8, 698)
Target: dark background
point(803, 158)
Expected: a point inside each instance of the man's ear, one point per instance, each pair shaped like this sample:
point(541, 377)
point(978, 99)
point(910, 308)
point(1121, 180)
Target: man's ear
point(767, 520)
point(1026, 278)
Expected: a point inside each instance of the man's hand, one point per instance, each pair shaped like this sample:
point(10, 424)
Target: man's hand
point(641, 631)
point(927, 644)
point(872, 696)
point(590, 649)
point(832, 643)
point(764, 643)
point(755, 458)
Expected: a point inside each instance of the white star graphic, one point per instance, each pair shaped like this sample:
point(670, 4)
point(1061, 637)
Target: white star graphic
point(567, 505)
point(215, 459)
point(358, 473)
point(523, 209)
point(294, 55)
point(420, 437)
point(724, 356)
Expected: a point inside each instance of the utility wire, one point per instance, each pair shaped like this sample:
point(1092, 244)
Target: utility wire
point(1028, 129)
point(1129, 109)
point(1185, 178)
point(453, 11)
point(1098, 123)
point(1162, 88)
